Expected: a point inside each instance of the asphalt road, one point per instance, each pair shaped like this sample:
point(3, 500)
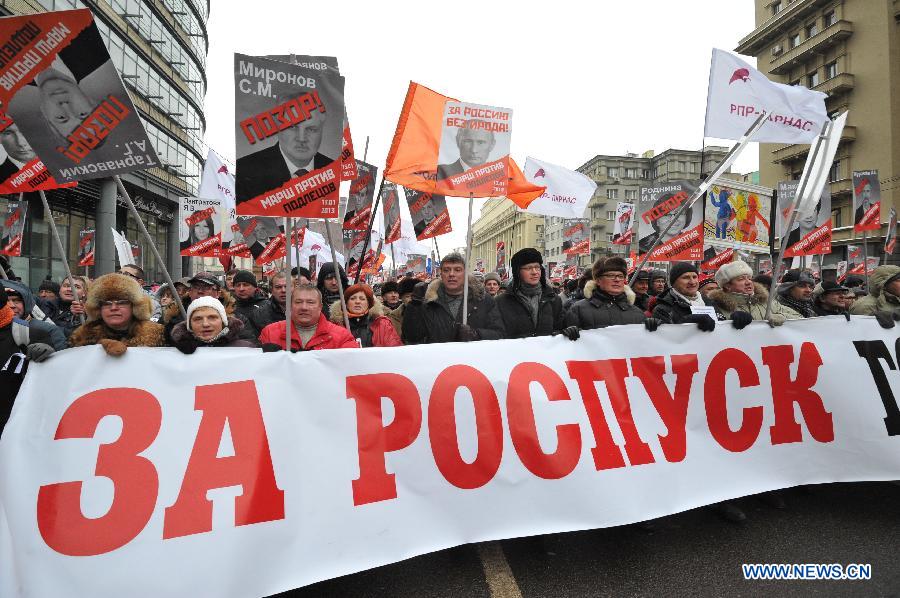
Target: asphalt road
point(689, 554)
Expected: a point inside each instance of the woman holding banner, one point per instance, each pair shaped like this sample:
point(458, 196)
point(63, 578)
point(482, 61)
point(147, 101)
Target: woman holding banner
point(368, 324)
point(207, 325)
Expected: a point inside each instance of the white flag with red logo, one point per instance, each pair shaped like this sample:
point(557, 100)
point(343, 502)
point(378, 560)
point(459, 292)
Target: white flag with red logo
point(738, 93)
point(567, 193)
point(217, 182)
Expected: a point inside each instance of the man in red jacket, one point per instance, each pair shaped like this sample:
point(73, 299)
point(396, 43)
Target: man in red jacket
point(312, 330)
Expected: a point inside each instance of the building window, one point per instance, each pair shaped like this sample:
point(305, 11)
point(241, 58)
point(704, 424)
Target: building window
point(609, 237)
point(776, 8)
point(631, 173)
point(645, 174)
point(830, 70)
point(631, 194)
point(613, 172)
point(830, 18)
point(811, 30)
point(836, 218)
point(835, 173)
point(610, 215)
point(812, 79)
point(795, 82)
point(612, 194)
point(794, 40)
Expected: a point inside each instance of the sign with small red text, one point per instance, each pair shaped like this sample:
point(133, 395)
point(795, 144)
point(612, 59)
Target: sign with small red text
point(12, 228)
point(665, 228)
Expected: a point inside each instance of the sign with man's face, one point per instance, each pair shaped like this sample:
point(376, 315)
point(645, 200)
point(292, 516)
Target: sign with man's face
point(200, 226)
point(60, 87)
point(13, 228)
point(288, 128)
point(474, 146)
point(866, 201)
point(657, 209)
point(623, 227)
point(390, 205)
point(811, 231)
point(429, 213)
point(577, 237)
point(86, 247)
point(359, 202)
point(890, 240)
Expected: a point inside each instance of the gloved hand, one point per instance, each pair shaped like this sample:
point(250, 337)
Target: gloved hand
point(570, 332)
point(271, 347)
point(740, 319)
point(776, 320)
point(418, 294)
point(703, 322)
point(886, 318)
point(466, 333)
point(186, 345)
point(113, 348)
point(39, 352)
point(651, 324)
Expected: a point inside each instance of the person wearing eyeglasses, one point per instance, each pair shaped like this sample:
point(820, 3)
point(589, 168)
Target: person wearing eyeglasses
point(608, 300)
point(118, 317)
point(531, 307)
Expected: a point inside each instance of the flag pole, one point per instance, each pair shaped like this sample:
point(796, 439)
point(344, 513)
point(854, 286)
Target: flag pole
point(288, 284)
point(437, 250)
point(59, 247)
point(465, 307)
point(776, 268)
point(362, 256)
point(337, 274)
point(726, 162)
point(393, 263)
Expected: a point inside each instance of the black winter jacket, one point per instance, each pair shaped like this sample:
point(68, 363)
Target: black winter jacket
point(265, 313)
point(430, 321)
point(602, 310)
point(673, 310)
point(517, 315)
point(245, 308)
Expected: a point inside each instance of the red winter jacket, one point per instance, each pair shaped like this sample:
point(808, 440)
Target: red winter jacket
point(327, 336)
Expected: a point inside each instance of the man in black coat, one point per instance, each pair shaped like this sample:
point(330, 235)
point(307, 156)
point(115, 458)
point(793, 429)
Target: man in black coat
point(608, 301)
point(272, 309)
point(531, 307)
point(674, 305)
point(247, 300)
point(828, 299)
point(437, 318)
point(296, 154)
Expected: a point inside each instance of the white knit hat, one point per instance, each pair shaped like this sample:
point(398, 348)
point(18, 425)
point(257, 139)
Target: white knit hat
point(206, 302)
point(732, 270)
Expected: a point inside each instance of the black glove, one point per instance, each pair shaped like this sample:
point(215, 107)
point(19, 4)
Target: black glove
point(186, 345)
point(886, 318)
point(740, 319)
point(847, 315)
point(651, 324)
point(466, 333)
point(39, 352)
point(703, 322)
point(271, 347)
point(418, 294)
point(570, 332)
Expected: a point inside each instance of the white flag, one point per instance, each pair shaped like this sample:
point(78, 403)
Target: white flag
point(818, 171)
point(314, 244)
point(738, 93)
point(407, 244)
point(123, 249)
point(218, 183)
point(567, 194)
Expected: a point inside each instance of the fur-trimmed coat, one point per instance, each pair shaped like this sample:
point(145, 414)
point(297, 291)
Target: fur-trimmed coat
point(373, 330)
point(878, 299)
point(139, 334)
point(431, 321)
point(727, 303)
point(600, 309)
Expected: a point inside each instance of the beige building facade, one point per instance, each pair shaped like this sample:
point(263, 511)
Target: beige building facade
point(500, 220)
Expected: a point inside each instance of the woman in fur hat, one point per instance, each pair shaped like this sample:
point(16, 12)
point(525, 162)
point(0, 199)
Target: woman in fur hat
point(208, 325)
point(368, 323)
point(118, 313)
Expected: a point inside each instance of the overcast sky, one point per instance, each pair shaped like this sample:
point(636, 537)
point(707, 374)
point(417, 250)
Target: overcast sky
point(582, 78)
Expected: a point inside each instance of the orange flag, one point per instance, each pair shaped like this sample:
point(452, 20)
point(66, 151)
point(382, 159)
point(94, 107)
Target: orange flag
point(446, 147)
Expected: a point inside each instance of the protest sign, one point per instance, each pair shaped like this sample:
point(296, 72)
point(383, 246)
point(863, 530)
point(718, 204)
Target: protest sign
point(567, 193)
point(623, 226)
point(60, 87)
point(866, 201)
point(811, 233)
point(577, 237)
point(501, 258)
point(715, 257)
point(865, 267)
point(13, 228)
point(429, 213)
point(738, 94)
point(200, 226)
point(447, 147)
point(737, 217)
point(657, 208)
point(86, 247)
point(256, 236)
point(390, 205)
point(21, 171)
point(359, 202)
point(340, 461)
point(217, 182)
point(416, 264)
point(890, 239)
point(841, 270)
point(288, 129)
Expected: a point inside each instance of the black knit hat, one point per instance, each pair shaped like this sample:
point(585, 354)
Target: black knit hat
point(301, 271)
point(679, 268)
point(390, 286)
point(609, 264)
point(49, 285)
point(529, 255)
point(244, 276)
point(407, 285)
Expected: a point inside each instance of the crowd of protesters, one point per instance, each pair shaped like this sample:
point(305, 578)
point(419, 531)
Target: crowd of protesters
point(119, 310)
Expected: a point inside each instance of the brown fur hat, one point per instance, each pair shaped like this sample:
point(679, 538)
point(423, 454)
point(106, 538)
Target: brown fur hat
point(118, 286)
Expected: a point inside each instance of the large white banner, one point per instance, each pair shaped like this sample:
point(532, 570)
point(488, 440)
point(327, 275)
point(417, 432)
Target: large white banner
point(738, 93)
point(568, 192)
point(326, 463)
